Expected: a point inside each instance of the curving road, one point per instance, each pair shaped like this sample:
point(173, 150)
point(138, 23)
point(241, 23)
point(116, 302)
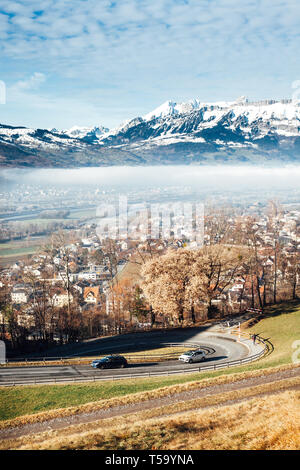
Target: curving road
point(220, 350)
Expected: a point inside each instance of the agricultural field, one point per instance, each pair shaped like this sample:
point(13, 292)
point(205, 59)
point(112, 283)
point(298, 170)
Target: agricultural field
point(17, 249)
point(82, 214)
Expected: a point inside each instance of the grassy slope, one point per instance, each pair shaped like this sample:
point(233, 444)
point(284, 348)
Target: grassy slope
point(282, 330)
point(131, 271)
point(282, 327)
point(234, 424)
point(250, 425)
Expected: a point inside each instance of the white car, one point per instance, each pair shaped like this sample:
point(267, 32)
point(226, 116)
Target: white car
point(192, 356)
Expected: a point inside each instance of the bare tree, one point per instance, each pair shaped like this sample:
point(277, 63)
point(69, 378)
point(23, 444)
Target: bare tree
point(58, 247)
point(213, 271)
point(218, 224)
point(275, 213)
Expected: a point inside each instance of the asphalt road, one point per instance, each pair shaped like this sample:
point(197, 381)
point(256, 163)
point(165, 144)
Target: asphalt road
point(219, 350)
point(126, 343)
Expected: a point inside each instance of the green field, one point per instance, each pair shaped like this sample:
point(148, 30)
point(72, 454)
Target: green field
point(281, 325)
point(11, 250)
point(82, 214)
point(19, 248)
point(40, 222)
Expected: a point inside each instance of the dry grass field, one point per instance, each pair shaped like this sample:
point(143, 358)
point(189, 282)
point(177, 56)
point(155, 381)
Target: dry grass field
point(270, 421)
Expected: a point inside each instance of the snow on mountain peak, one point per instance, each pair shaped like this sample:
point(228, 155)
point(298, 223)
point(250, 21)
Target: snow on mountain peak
point(172, 108)
point(167, 108)
point(81, 132)
point(264, 109)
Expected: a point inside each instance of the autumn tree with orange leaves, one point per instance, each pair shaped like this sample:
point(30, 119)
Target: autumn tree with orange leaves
point(181, 280)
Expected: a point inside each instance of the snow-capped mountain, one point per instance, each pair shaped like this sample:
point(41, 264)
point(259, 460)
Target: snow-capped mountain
point(21, 146)
point(171, 108)
point(192, 131)
point(223, 123)
point(38, 139)
point(91, 133)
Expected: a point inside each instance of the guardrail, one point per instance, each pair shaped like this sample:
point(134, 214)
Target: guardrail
point(95, 378)
point(71, 359)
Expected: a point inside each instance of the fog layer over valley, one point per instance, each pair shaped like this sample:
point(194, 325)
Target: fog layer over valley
point(197, 179)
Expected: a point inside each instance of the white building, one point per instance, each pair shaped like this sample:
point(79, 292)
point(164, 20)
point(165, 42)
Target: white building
point(89, 276)
point(60, 300)
point(19, 297)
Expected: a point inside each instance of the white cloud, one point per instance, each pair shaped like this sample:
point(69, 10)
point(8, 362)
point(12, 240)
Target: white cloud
point(31, 83)
point(140, 52)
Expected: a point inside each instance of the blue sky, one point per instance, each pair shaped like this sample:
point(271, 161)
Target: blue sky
point(100, 62)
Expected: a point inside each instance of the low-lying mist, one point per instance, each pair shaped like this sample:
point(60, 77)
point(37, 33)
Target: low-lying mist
point(195, 177)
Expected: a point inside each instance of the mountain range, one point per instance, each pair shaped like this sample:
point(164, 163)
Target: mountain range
point(174, 133)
